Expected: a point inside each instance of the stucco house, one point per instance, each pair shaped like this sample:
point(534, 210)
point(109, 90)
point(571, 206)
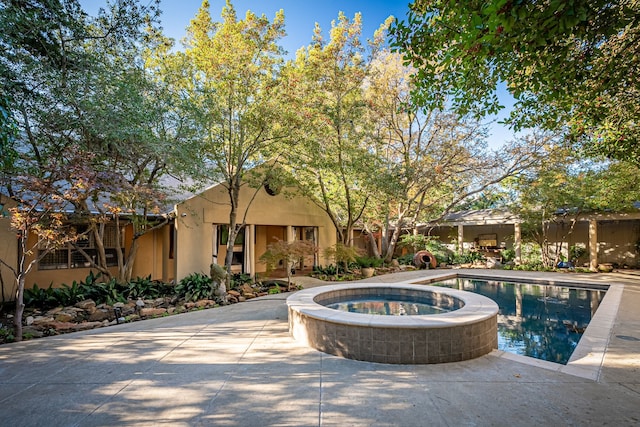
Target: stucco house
point(201, 229)
point(64, 265)
point(195, 237)
point(190, 242)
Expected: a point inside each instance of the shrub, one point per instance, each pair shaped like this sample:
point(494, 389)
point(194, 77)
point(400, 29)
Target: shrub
point(42, 298)
point(196, 286)
point(406, 259)
point(467, 257)
point(369, 262)
point(239, 279)
point(69, 295)
point(145, 288)
point(342, 255)
point(105, 292)
point(329, 270)
point(508, 255)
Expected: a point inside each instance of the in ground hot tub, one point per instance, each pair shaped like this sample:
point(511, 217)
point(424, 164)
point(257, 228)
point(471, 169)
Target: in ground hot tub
point(466, 328)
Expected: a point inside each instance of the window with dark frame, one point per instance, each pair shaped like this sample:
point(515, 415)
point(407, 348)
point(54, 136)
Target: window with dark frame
point(70, 257)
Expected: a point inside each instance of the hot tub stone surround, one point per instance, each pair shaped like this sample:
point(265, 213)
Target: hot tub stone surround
point(465, 333)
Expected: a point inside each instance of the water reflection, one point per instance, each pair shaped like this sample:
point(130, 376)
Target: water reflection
point(541, 321)
point(386, 307)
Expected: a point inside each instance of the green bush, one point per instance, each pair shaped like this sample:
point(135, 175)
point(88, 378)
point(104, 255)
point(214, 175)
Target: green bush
point(42, 298)
point(329, 270)
point(406, 259)
point(239, 279)
point(105, 292)
point(145, 288)
point(369, 262)
point(508, 255)
point(468, 257)
point(342, 255)
point(69, 295)
point(196, 286)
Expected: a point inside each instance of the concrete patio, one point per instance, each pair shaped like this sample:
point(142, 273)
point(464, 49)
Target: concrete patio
point(237, 365)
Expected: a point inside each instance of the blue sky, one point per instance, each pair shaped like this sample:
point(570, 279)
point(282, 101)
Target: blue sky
point(300, 15)
point(300, 19)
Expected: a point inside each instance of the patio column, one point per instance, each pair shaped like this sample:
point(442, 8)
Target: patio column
point(214, 244)
point(517, 242)
point(593, 245)
point(460, 238)
point(290, 237)
point(250, 259)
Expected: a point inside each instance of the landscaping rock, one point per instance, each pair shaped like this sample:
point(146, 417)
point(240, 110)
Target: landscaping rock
point(41, 320)
point(205, 303)
point(99, 315)
point(88, 305)
point(64, 317)
point(148, 312)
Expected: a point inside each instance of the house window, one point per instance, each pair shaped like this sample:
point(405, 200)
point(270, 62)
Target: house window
point(224, 236)
point(70, 257)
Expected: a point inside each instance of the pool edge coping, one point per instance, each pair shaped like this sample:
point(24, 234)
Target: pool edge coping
point(587, 358)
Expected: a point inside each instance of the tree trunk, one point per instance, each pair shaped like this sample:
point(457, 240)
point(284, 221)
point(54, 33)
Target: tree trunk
point(17, 320)
point(125, 270)
point(393, 242)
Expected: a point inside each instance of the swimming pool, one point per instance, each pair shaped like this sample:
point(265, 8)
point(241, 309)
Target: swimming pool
point(541, 321)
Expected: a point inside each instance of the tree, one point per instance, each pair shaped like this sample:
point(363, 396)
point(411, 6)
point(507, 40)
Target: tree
point(334, 164)
point(432, 161)
point(81, 104)
point(40, 223)
point(288, 254)
point(235, 90)
point(571, 66)
point(566, 187)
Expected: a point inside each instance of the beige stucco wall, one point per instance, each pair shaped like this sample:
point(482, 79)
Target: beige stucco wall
point(616, 240)
point(153, 256)
point(8, 252)
point(196, 217)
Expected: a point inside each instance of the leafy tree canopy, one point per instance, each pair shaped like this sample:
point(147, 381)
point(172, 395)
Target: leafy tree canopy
point(570, 65)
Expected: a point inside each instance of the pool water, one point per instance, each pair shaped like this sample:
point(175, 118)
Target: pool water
point(541, 321)
point(385, 306)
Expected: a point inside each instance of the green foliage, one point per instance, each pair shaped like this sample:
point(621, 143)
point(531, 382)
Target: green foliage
point(105, 292)
point(415, 242)
point(239, 279)
point(145, 288)
point(43, 298)
point(274, 290)
point(508, 255)
point(196, 286)
point(552, 58)
point(329, 270)
point(91, 288)
point(406, 259)
point(342, 254)
point(468, 257)
point(6, 335)
point(369, 262)
point(576, 252)
point(69, 295)
point(335, 162)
